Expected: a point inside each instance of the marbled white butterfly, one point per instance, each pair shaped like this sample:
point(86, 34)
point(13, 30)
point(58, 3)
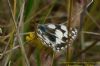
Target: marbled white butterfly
point(56, 35)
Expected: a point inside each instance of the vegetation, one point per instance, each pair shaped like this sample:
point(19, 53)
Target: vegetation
point(20, 46)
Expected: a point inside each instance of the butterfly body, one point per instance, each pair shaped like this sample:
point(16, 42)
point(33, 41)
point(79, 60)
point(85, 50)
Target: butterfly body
point(56, 35)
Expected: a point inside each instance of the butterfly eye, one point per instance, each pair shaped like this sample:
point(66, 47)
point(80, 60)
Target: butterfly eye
point(42, 28)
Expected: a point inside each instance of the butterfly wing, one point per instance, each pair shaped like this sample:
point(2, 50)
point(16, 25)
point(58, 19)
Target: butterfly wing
point(55, 35)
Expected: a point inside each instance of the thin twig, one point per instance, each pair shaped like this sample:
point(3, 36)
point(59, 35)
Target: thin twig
point(89, 3)
point(54, 1)
point(11, 35)
point(53, 59)
point(14, 10)
point(92, 18)
point(85, 50)
point(15, 24)
point(82, 45)
point(18, 34)
point(29, 19)
point(69, 26)
point(8, 51)
point(92, 33)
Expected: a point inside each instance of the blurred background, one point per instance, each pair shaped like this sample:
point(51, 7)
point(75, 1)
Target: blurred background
point(20, 47)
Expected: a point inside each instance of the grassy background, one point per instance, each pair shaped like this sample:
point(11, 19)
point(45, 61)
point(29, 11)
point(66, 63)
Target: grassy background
point(19, 45)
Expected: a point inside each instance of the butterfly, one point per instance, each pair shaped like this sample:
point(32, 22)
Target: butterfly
point(55, 36)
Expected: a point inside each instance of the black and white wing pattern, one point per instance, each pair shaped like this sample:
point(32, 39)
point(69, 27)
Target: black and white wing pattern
point(56, 35)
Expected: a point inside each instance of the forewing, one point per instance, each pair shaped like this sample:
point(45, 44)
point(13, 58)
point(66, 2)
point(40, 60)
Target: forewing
point(55, 35)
